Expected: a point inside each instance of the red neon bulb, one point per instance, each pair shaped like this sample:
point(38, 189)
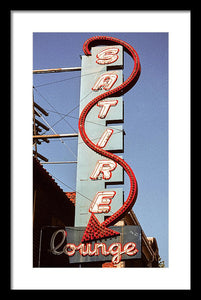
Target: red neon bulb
point(96, 230)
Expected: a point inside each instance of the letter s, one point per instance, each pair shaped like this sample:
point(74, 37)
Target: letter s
point(107, 56)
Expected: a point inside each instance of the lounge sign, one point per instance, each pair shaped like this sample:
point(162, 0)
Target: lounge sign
point(62, 246)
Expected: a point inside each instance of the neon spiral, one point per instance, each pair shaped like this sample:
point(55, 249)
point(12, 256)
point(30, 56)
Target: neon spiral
point(118, 91)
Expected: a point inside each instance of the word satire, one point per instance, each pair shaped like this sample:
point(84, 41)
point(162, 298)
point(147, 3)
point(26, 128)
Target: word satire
point(115, 249)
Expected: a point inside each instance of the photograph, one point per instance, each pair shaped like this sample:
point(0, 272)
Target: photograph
point(100, 149)
point(100, 181)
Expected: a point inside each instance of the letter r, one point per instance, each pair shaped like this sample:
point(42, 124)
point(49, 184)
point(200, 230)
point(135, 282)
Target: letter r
point(105, 167)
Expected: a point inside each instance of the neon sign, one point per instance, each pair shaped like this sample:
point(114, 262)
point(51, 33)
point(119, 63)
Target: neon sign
point(114, 249)
point(93, 169)
point(97, 207)
point(107, 85)
point(62, 245)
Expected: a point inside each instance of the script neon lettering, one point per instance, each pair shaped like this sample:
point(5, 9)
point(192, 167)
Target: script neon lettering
point(69, 249)
point(115, 249)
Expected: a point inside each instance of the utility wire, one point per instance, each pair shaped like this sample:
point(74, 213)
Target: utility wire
point(56, 133)
point(65, 115)
point(68, 114)
point(58, 81)
point(44, 98)
point(66, 79)
point(87, 121)
point(73, 189)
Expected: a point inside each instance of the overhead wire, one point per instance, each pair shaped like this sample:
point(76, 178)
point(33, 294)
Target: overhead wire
point(58, 81)
point(117, 130)
point(56, 133)
point(68, 114)
point(73, 189)
point(45, 98)
point(65, 115)
point(66, 79)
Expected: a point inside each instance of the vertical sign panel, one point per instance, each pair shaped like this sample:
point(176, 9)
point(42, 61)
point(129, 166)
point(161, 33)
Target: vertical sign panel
point(101, 71)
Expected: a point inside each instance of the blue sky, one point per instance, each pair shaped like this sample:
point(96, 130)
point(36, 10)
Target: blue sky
point(145, 124)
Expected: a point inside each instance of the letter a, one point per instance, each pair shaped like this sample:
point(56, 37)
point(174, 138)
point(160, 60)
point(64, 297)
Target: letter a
point(105, 81)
